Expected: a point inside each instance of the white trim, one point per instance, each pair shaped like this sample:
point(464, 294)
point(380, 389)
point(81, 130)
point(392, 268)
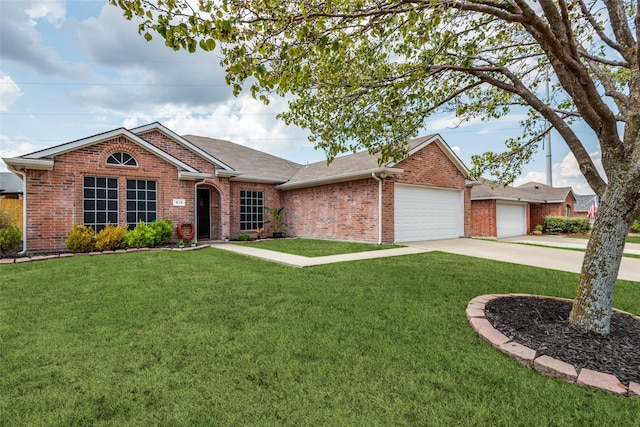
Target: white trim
point(15, 163)
point(75, 145)
point(257, 179)
point(453, 157)
point(193, 176)
point(351, 176)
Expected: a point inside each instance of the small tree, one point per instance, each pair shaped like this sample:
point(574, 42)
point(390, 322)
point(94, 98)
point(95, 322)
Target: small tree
point(10, 235)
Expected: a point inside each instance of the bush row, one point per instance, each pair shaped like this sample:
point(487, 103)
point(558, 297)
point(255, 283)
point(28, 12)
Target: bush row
point(83, 239)
point(10, 235)
point(562, 224)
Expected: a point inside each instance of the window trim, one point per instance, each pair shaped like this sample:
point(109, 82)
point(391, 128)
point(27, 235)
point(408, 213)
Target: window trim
point(129, 161)
point(149, 215)
point(109, 213)
point(254, 209)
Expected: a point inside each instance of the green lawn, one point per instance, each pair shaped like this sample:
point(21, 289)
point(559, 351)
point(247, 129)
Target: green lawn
point(202, 338)
point(316, 248)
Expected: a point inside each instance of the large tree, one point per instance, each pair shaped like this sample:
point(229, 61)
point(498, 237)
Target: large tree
point(367, 73)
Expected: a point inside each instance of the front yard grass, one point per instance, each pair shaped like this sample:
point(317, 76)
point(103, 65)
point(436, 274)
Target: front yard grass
point(317, 248)
point(209, 337)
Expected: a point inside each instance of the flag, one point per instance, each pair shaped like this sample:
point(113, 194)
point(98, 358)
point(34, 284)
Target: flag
point(593, 210)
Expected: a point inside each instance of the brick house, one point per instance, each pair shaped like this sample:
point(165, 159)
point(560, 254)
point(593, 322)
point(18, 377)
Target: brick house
point(498, 211)
point(221, 188)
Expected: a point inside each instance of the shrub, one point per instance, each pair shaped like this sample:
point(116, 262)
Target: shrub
point(561, 224)
point(142, 236)
point(110, 238)
point(163, 229)
point(244, 237)
point(635, 227)
point(10, 239)
point(81, 239)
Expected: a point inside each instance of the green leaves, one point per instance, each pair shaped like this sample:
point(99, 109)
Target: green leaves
point(367, 74)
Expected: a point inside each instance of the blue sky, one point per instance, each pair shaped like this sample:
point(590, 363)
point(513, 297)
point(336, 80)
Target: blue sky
point(75, 68)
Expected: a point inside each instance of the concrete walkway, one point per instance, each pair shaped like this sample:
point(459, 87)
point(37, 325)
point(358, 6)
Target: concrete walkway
point(537, 256)
point(506, 250)
point(303, 261)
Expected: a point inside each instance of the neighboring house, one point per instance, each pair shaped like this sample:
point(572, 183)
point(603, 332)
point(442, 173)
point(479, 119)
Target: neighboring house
point(149, 172)
point(583, 203)
point(10, 185)
point(498, 211)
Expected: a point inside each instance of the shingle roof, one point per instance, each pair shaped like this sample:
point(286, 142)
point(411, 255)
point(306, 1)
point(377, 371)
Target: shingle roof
point(10, 183)
point(584, 201)
point(347, 165)
point(534, 192)
point(251, 163)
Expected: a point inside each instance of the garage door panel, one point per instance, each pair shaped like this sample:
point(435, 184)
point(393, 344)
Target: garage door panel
point(511, 220)
point(427, 214)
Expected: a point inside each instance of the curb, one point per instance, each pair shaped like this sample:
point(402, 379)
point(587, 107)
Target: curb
point(119, 251)
point(543, 364)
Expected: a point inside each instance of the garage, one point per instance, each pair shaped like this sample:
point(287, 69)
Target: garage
point(423, 213)
point(511, 219)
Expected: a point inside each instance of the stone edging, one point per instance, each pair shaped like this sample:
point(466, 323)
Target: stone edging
point(543, 364)
point(119, 251)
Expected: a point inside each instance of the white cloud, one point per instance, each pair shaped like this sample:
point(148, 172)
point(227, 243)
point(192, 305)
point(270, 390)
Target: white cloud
point(53, 11)
point(565, 174)
point(13, 147)
point(9, 92)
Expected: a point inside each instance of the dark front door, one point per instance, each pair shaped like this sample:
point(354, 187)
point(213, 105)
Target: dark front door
point(204, 213)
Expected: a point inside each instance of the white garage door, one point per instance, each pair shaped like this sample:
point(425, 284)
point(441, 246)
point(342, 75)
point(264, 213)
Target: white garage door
point(511, 220)
point(427, 214)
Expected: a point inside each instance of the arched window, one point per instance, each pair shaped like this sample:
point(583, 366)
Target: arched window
point(567, 210)
point(121, 159)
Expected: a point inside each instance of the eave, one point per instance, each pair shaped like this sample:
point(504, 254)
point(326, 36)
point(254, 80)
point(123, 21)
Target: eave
point(352, 176)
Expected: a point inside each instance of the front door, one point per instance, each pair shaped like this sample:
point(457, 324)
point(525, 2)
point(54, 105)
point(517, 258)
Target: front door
point(204, 213)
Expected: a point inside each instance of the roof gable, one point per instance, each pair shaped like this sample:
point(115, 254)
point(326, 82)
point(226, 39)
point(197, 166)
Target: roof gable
point(362, 164)
point(182, 141)
point(532, 192)
point(50, 153)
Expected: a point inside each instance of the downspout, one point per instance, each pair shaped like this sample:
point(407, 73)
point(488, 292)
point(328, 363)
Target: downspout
point(373, 174)
point(195, 209)
point(24, 208)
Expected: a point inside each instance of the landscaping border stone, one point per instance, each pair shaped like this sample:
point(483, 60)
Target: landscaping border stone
point(546, 365)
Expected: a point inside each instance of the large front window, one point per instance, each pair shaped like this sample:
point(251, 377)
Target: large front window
point(100, 202)
point(141, 201)
point(251, 210)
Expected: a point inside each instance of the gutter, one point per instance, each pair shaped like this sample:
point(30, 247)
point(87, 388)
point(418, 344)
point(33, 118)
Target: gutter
point(24, 207)
point(351, 176)
point(383, 175)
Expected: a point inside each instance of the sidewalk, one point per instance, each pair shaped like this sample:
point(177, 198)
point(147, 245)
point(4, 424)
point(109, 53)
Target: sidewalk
point(302, 261)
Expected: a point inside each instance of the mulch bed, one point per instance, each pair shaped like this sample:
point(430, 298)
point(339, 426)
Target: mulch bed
point(542, 324)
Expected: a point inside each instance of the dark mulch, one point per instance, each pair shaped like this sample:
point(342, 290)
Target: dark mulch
point(542, 324)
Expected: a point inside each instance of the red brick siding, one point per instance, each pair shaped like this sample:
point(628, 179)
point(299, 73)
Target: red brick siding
point(539, 211)
point(341, 211)
point(272, 199)
point(349, 210)
point(483, 218)
point(54, 198)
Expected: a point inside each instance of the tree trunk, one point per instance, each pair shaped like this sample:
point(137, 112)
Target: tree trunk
point(592, 306)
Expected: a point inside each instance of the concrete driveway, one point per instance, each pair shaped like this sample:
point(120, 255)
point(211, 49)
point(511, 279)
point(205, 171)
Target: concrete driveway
point(508, 250)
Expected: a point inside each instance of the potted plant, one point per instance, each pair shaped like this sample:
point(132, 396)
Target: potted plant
point(278, 221)
point(194, 243)
point(181, 243)
point(260, 230)
point(538, 229)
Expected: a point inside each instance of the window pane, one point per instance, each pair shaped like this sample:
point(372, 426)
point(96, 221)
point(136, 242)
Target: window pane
point(100, 205)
